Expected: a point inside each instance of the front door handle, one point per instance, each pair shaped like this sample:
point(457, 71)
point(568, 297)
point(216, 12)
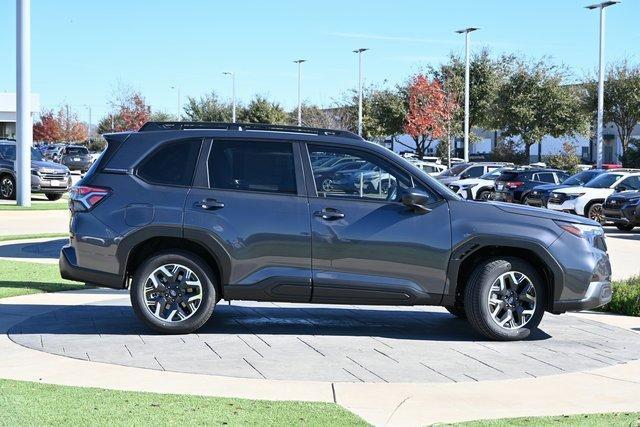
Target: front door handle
point(329, 214)
point(209, 204)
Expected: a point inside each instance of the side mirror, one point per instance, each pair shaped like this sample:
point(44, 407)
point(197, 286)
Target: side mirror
point(464, 176)
point(620, 188)
point(416, 199)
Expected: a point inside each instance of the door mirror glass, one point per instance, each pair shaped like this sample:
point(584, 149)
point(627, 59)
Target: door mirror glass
point(416, 199)
point(620, 188)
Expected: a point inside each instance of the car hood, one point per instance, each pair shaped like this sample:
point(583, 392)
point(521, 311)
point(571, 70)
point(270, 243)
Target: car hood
point(576, 190)
point(471, 181)
point(49, 166)
point(447, 179)
point(542, 213)
point(549, 187)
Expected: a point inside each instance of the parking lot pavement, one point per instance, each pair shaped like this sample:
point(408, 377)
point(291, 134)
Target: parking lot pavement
point(624, 250)
point(33, 222)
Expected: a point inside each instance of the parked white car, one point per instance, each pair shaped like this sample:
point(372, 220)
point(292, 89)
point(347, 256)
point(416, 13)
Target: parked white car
point(431, 168)
point(587, 200)
point(477, 188)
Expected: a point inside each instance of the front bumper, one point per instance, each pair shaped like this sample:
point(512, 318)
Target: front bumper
point(71, 271)
point(598, 294)
point(625, 215)
point(568, 206)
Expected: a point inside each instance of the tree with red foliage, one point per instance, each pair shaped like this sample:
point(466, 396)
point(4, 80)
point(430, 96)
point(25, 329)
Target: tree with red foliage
point(129, 112)
point(430, 113)
point(61, 126)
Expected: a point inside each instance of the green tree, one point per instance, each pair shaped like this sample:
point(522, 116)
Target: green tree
point(262, 110)
point(567, 159)
point(162, 116)
point(621, 100)
point(533, 102)
point(208, 108)
point(314, 116)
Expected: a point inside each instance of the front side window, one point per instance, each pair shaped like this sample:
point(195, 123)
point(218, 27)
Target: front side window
point(263, 166)
point(365, 176)
point(171, 164)
point(474, 172)
point(544, 177)
point(631, 183)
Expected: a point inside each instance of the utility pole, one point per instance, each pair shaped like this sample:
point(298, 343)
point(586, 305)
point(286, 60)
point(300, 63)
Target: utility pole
point(359, 52)
point(233, 93)
point(299, 62)
point(601, 67)
point(466, 32)
point(24, 129)
point(179, 116)
point(89, 127)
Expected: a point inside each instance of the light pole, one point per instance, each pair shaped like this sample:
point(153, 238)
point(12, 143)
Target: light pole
point(89, 127)
point(177, 88)
point(599, 124)
point(359, 52)
point(24, 130)
point(466, 32)
point(233, 94)
point(299, 62)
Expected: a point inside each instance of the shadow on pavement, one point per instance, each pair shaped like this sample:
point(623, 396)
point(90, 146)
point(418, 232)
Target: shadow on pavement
point(41, 250)
point(257, 320)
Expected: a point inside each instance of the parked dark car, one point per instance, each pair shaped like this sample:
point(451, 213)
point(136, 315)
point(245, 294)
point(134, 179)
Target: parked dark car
point(187, 214)
point(515, 186)
point(324, 176)
point(539, 196)
point(49, 178)
point(623, 209)
point(469, 170)
point(76, 157)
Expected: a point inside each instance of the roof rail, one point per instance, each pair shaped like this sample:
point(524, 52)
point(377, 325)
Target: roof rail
point(260, 127)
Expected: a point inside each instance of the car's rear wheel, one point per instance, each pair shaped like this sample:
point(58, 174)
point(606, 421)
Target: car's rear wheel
point(7, 187)
point(53, 196)
point(624, 227)
point(596, 213)
point(504, 299)
point(484, 195)
point(173, 292)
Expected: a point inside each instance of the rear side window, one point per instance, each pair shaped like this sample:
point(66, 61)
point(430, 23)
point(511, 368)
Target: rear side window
point(172, 164)
point(544, 177)
point(252, 166)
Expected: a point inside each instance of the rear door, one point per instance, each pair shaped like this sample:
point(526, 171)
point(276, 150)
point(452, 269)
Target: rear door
point(369, 248)
point(249, 206)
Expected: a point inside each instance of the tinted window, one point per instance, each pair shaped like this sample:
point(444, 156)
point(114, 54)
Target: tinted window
point(77, 151)
point(8, 152)
point(631, 183)
point(172, 164)
point(544, 177)
point(474, 172)
point(369, 177)
point(605, 180)
point(252, 166)
point(581, 178)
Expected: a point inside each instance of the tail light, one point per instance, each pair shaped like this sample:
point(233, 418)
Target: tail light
point(84, 198)
point(513, 184)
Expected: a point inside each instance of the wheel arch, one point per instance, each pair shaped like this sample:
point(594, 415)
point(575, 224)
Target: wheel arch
point(591, 203)
point(469, 254)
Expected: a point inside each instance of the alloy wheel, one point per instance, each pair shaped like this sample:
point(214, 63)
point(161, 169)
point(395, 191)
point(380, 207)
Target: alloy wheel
point(512, 300)
point(327, 185)
point(6, 188)
point(596, 213)
point(173, 293)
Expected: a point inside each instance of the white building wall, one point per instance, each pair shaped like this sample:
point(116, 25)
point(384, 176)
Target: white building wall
point(8, 112)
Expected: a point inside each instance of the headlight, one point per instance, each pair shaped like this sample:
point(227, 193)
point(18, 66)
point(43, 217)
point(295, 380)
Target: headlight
point(587, 232)
point(35, 172)
point(633, 202)
point(574, 196)
point(468, 186)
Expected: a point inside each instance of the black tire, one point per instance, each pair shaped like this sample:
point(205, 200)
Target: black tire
point(484, 195)
point(625, 227)
point(7, 187)
point(594, 212)
point(53, 196)
point(478, 290)
point(525, 200)
point(203, 311)
point(456, 311)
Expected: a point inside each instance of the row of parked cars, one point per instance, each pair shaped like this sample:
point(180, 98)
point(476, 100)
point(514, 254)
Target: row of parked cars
point(604, 195)
point(75, 157)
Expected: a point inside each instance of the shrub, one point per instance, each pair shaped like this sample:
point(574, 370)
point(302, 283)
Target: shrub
point(567, 159)
point(509, 150)
point(626, 298)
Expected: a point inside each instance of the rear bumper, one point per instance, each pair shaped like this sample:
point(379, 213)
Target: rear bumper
point(598, 294)
point(71, 271)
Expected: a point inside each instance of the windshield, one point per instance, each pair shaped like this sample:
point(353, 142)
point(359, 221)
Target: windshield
point(455, 170)
point(493, 174)
point(77, 151)
point(605, 180)
point(580, 178)
point(8, 152)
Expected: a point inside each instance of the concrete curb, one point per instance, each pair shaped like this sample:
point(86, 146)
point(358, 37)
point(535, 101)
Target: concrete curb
point(609, 389)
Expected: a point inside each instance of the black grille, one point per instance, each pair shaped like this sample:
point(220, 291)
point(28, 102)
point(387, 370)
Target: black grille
point(557, 198)
point(49, 176)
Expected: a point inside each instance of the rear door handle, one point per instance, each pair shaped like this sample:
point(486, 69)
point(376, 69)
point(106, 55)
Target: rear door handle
point(209, 204)
point(329, 214)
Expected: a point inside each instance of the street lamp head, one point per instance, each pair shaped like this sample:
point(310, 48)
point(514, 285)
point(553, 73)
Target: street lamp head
point(602, 5)
point(300, 61)
point(467, 30)
point(227, 73)
point(362, 49)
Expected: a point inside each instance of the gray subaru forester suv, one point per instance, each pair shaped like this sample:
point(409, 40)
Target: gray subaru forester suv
point(186, 214)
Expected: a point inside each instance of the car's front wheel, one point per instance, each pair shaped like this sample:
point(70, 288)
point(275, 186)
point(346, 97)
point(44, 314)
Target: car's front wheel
point(624, 227)
point(53, 196)
point(174, 292)
point(596, 213)
point(504, 299)
point(7, 187)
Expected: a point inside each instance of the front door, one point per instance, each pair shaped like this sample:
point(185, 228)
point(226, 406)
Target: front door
point(251, 210)
point(369, 248)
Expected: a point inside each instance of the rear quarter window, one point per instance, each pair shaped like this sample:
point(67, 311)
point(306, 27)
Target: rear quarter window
point(173, 163)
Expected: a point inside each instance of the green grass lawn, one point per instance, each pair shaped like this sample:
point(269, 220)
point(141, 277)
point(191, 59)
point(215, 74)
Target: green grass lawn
point(31, 236)
point(610, 420)
point(36, 206)
point(26, 403)
point(22, 278)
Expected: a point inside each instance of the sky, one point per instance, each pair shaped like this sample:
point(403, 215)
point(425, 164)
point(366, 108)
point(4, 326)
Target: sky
point(82, 51)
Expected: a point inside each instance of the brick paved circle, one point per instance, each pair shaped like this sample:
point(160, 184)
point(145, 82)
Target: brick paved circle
point(327, 343)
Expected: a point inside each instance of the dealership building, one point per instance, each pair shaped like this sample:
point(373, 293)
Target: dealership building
point(8, 113)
